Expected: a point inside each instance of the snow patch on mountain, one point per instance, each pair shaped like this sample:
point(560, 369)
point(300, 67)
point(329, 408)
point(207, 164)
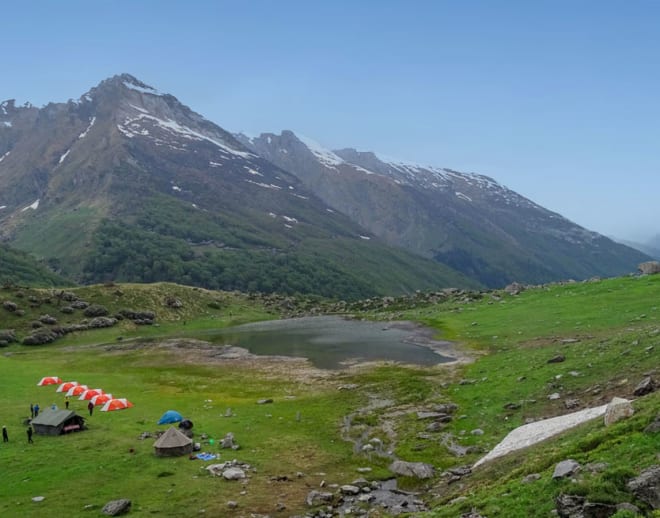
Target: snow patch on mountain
point(290, 219)
point(4, 156)
point(34, 206)
point(325, 156)
point(84, 133)
point(132, 127)
point(7, 124)
point(142, 89)
point(463, 196)
point(64, 156)
point(176, 188)
point(252, 171)
point(264, 185)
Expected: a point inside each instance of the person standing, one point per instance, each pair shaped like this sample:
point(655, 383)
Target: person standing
point(29, 434)
point(90, 407)
point(36, 410)
point(31, 411)
point(5, 436)
point(66, 402)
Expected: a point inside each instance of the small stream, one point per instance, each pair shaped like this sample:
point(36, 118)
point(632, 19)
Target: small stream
point(332, 342)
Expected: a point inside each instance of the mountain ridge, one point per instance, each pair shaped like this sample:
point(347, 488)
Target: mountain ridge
point(125, 167)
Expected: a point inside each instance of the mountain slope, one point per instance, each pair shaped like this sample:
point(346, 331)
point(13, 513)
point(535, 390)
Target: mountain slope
point(19, 268)
point(467, 221)
point(127, 183)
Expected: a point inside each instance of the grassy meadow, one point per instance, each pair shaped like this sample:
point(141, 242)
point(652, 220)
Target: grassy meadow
point(608, 332)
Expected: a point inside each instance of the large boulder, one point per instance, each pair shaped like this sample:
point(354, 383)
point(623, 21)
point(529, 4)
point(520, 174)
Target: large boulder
point(412, 469)
point(649, 267)
point(646, 486)
point(95, 310)
point(566, 468)
point(618, 409)
point(573, 506)
point(99, 322)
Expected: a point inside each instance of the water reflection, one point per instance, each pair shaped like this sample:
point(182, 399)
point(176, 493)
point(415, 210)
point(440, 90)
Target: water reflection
point(329, 341)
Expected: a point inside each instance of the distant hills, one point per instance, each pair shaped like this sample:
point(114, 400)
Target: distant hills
point(126, 183)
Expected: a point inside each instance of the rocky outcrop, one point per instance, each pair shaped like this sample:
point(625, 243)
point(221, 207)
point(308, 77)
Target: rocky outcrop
point(573, 506)
point(646, 386)
point(649, 267)
point(646, 486)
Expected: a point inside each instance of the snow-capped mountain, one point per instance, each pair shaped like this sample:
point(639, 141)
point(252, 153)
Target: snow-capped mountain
point(465, 220)
point(127, 183)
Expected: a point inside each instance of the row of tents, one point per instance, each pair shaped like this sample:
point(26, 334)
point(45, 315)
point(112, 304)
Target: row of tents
point(83, 392)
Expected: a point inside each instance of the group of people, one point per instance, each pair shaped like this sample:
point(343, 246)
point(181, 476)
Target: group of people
point(5, 434)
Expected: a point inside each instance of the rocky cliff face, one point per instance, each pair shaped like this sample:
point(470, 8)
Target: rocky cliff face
point(468, 221)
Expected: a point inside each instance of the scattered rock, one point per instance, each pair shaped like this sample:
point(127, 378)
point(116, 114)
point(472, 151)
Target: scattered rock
point(117, 507)
point(512, 406)
point(99, 322)
point(264, 401)
point(349, 489)
point(566, 468)
point(38, 498)
point(95, 310)
point(646, 386)
point(233, 473)
point(232, 504)
point(412, 469)
point(573, 506)
point(646, 486)
point(618, 409)
point(572, 403)
point(532, 477)
point(554, 396)
point(514, 288)
point(79, 304)
point(10, 306)
point(627, 506)
point(438, 416)
point(654, 427)
point(557, 359)
point(446, 408)
point(315, 498)
point(348, 386)
point(477, 431)
point(48, 320)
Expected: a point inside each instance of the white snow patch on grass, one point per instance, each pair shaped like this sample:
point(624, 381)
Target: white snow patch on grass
point(272, 214)
point(289, 219)
point(366, 238)
point(34, 206)
point(176, 188)
point(532, 433)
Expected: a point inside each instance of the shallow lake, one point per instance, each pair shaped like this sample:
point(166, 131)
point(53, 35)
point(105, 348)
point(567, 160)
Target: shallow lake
point(331, 342)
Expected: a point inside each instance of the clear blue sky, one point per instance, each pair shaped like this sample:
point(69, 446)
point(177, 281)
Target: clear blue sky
point(558, 100)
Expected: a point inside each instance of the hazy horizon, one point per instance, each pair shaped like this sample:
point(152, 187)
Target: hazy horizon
point(555, 100)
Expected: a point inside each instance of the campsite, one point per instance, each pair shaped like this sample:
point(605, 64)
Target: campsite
point(312, 425)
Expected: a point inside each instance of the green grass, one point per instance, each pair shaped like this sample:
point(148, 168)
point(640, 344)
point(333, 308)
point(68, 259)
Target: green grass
point(608, 332)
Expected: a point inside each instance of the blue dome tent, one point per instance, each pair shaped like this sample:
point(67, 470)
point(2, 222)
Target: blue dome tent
point(171, 416)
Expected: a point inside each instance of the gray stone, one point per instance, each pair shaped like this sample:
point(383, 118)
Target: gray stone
point(654, 427)
point(646, 386)
point(38, 498)
point(557, 359)
point(573, 506)
point(554, 396)
point(627, 506)
point(117, 507)
point(233, 474)
point(412, 469)
point(565, 468)
point(646, 486)
point(315, 498)
point(532, 477)
point(618, 409)
point(349, 489)
point(265, 401)
point(477, 431)
point(232, 504)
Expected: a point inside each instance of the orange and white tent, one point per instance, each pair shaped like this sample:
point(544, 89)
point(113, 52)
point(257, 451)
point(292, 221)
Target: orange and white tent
point(116, 404)
point(66, 386)
point(90, 393)
point(101, 399)
point(77, 390)
point(49, 380)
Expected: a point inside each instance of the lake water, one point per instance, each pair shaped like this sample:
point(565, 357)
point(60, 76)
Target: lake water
point(329, 342)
